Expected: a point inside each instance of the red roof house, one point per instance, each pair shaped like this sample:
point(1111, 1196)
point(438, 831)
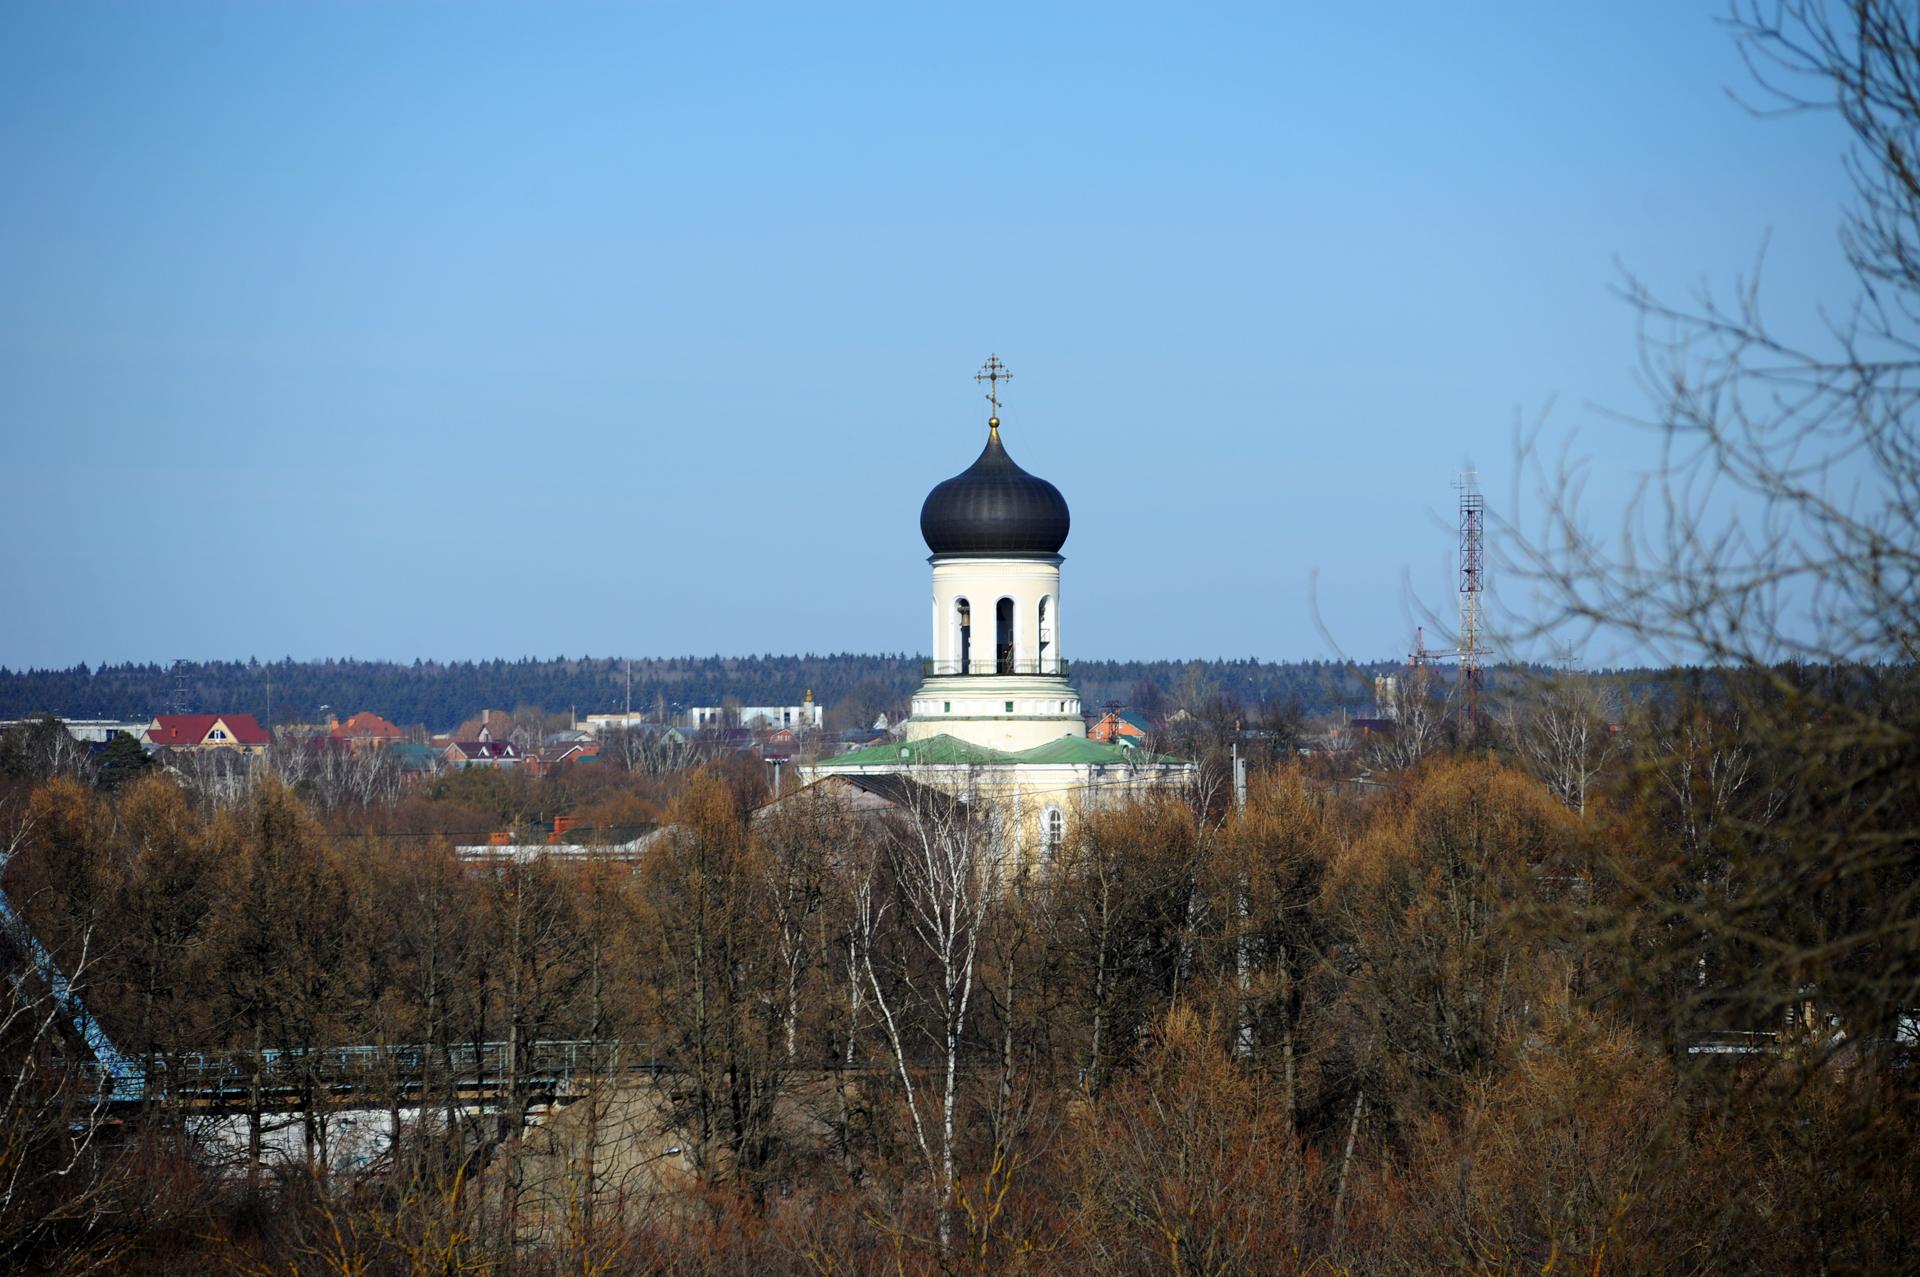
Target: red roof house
point(483, 753)
point(206, 731)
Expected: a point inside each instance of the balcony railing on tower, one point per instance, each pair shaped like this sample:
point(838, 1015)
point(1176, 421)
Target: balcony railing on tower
point(1048, 665)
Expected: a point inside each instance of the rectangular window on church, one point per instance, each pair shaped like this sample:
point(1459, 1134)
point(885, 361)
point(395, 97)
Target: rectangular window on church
point(1009, 707)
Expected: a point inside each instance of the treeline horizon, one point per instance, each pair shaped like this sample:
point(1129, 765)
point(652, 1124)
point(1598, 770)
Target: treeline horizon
point(854, 687)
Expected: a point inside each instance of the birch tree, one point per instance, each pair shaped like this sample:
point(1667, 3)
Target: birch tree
point(799, 840)
point(1564, 734)
point(945, 861)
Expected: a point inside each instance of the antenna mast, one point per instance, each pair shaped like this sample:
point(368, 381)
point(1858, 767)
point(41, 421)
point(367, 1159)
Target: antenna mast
point(178, 703)
point(1473, 583)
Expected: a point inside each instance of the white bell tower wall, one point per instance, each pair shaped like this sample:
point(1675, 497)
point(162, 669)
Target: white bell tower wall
point(998, 672)
point(969, 621)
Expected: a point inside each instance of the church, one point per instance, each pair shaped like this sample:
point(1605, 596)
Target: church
point(995, 716)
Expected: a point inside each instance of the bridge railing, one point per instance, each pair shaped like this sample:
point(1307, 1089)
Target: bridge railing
point(354, 1068)
point(1735, 1042)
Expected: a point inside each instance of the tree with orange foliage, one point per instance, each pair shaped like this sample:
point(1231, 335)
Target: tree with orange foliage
point(1121, 896)
point(1442, 968)
point(1185, 1165)
point(1566, 1159)
point(278, 940)
point(164, 903)
point(1267, 882)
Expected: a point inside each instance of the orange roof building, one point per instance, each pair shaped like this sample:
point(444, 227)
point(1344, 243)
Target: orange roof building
point(1114, 726)
point(368, 728)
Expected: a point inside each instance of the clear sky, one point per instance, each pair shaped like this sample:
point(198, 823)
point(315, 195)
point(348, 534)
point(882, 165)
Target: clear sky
point(446, 330)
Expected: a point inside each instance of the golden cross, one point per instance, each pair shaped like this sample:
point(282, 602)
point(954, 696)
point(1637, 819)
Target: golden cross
point(993, 372)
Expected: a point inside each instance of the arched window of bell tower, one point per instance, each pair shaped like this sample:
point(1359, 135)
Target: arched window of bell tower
point(1044, 648)
point(1003, 636)
point(963, 618)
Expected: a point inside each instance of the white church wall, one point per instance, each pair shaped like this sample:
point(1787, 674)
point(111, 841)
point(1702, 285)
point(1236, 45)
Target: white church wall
point(983, 583)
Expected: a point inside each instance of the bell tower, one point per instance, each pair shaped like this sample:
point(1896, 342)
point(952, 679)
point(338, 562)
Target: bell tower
point(998, 674)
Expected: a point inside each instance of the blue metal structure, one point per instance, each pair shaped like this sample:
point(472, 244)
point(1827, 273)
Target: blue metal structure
point(223, 1080)
point(126, 1081)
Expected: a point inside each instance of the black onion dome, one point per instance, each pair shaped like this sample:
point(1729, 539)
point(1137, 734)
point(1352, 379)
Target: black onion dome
point(995, 507)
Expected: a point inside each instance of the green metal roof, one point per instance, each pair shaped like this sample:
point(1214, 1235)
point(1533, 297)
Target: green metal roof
point(934, 751)
point(949, 751)
point(414, 757)
point(1078, 749)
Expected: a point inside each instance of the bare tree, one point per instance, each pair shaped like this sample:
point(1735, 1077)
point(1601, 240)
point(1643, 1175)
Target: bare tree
point(330, 775)
point(1566, 733)
point(54, 1182)
point(42, 747)
point(67, 1202)
point(1778, 545)
point(945, 865)
point(651, 750)
point(218, 777)
point(722, 1004)
point(1424, 708)
point(800, 839)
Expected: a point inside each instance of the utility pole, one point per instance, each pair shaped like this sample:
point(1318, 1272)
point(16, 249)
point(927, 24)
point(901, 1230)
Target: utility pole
point(1243, 944)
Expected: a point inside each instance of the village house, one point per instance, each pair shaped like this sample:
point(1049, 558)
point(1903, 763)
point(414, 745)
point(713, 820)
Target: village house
point(482, 753)
point(189, 732)
point(1121, 727)
point(367, 730)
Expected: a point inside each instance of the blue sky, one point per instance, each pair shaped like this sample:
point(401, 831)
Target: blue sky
point(465, 331)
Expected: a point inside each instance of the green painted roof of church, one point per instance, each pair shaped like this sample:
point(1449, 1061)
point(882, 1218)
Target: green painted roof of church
point(950, 751)
point(1078, 749)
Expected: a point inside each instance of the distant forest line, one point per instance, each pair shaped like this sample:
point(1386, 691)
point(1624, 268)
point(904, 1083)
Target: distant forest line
point(441, 694)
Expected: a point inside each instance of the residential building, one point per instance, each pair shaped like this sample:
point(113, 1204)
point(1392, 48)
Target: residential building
point(489, 724)
point(416, 760)
point(806, 716)
point(205, 731)
point(367, 730)
point(553, 753)
point(595, 724)
point(93, 731)
point(1120, 727)
point(483, 753)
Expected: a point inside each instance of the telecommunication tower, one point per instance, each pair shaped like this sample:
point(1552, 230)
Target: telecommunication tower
point(1473, 582)
point(178, 703)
